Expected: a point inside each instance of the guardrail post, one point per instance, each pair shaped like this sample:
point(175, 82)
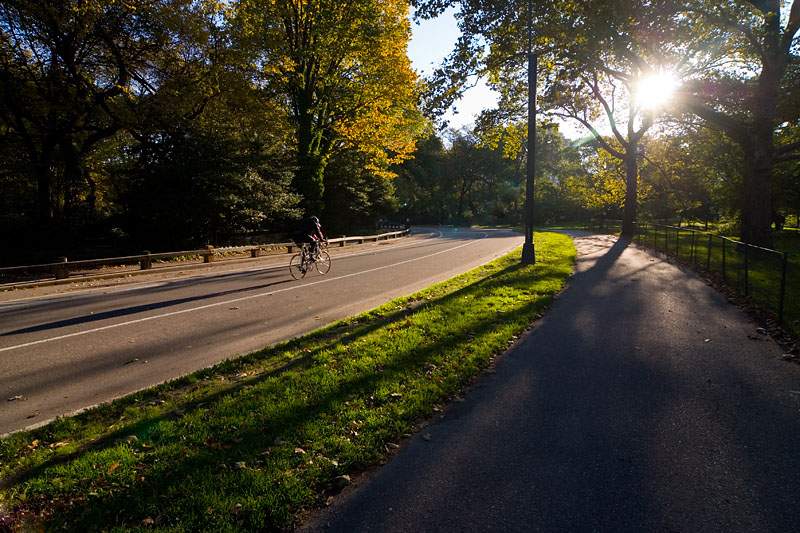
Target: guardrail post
point(208, 255)
point(146, 262)
point(62, 270)
point(255, 252)
point(342, 242)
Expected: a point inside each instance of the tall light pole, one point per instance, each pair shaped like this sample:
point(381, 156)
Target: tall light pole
point(528, 249)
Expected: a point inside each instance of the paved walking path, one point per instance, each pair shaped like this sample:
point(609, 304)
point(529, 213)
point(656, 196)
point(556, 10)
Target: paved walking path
point(643, 401)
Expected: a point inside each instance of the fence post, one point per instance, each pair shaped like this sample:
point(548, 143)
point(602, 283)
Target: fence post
point(708, 259)
point(208, 255)
point(746, 272)
point(677, 241)
point(146, 263)
point(692, 252)
point(724, 278)
point(666, 241)
point(783, 288)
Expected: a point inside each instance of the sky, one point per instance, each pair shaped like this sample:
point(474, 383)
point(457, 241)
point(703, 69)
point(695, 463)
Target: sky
point(431, 42)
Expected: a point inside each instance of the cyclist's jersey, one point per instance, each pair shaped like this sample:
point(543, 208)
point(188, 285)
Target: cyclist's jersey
point(308, 231)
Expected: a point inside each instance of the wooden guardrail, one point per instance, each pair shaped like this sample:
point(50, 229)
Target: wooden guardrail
point(63, 267)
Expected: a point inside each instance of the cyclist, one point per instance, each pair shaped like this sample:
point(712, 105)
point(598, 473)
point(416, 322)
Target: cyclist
point(309, 230)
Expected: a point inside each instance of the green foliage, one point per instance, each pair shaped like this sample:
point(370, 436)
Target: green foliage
point(250, 444)
point(342, 68)
point(209, 177)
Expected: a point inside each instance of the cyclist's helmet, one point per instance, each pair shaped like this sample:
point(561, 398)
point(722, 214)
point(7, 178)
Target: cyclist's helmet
point(315, 219)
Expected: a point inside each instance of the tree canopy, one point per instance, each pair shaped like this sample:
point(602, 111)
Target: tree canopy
point(732, 62)
point(343, 69)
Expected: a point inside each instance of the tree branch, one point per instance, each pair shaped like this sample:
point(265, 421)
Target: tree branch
point(734, 128)
point(786, 148)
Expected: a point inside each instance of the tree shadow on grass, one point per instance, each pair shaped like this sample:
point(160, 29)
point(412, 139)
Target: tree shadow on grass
point(246, 429)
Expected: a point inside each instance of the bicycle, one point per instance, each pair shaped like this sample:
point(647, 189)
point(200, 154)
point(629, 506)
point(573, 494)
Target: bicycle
point(303, 262)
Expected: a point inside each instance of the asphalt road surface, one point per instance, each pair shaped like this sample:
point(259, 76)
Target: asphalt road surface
point(66, 349)
point(642, 402)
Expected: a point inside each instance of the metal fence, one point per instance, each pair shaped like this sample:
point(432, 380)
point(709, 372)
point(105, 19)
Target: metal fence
point(766, 277)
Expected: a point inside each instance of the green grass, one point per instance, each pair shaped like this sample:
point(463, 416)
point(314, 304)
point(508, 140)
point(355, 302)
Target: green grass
point(254, 442)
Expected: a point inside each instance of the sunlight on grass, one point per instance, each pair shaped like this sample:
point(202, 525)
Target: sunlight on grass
point(251, 443)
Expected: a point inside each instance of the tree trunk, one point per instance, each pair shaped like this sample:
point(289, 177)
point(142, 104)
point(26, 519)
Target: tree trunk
point(44, 192)
point(308, 180)
point(756, 214)
point(631, 193)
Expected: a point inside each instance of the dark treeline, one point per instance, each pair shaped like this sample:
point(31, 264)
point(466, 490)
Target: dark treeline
point(170, 124)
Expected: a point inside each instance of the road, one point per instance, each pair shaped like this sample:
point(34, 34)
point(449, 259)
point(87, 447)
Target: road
point(61, 352)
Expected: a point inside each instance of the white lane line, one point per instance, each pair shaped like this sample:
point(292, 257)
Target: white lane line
point(234, 300)
point(83, 293)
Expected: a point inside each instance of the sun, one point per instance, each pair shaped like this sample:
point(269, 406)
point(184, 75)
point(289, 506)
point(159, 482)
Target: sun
point(655, 90)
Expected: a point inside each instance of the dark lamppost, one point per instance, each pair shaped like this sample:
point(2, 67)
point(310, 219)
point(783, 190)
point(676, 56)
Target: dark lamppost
point(528, 249)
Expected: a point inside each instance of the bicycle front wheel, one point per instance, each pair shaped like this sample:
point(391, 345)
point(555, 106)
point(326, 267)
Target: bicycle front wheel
point(296, 267)
point(323, 263)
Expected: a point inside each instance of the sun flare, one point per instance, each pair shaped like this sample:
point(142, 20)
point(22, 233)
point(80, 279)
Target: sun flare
point(656, 89)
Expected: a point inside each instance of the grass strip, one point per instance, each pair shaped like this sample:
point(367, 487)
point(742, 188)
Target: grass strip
point(252, 443)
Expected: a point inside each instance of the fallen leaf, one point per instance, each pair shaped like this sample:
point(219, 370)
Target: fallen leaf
point(113, 467)
point(299, 450)
point(427, 436)
point(17, 397)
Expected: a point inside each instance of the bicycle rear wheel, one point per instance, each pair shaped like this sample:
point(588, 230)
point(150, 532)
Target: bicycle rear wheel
point(323, 263)
point(296, 267)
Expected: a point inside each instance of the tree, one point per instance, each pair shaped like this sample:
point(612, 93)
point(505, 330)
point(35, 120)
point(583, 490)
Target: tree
point(694, 172)
point(594, 58)
point(419, 183)
point(342, 68)
point(210, 176)
point(69, 71)
point(748, 52)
